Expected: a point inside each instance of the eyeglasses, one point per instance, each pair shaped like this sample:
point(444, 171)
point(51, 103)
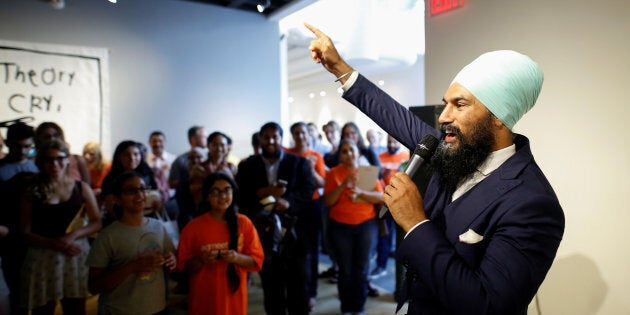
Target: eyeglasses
point(215, 192)
point(134, 190)
point(53, 159)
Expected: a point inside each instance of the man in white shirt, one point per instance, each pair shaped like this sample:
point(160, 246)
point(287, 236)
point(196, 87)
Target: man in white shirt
point(158, 157)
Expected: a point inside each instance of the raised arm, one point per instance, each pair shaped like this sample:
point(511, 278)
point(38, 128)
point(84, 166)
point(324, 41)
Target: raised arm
point(384, 110)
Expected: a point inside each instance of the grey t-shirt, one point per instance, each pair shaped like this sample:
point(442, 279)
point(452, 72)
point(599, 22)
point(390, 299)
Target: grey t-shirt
point(119, 244)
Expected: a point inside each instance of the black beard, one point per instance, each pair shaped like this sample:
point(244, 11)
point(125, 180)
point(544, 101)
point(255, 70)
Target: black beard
point(271, 155)
point(453, 166)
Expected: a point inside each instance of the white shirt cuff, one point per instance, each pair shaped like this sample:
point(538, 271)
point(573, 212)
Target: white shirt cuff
point(353, 78)
point(415, 226)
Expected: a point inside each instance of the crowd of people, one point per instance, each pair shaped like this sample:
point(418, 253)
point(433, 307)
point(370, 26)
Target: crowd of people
point(479, 240)
point(80, 225)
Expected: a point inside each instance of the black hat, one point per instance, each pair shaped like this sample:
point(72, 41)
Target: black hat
point(19, 131)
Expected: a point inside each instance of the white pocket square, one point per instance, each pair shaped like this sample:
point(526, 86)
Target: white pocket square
point(470, 237)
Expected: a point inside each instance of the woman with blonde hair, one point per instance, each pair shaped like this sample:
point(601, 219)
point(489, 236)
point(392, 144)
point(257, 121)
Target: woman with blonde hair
point(96, 165)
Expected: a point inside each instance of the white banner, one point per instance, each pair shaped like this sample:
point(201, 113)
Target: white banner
point(63, 84)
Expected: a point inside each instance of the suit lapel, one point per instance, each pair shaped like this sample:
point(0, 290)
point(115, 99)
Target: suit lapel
point(463, 211)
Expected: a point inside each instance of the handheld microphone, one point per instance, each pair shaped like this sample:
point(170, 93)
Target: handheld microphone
point(418, 168)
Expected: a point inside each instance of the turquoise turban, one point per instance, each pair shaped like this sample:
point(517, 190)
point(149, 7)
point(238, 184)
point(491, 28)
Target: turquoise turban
point(505, 81)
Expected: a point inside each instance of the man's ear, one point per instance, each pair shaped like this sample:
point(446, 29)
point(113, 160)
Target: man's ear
point(498, 124)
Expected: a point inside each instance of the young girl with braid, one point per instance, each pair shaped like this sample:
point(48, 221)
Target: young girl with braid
point(217, 249)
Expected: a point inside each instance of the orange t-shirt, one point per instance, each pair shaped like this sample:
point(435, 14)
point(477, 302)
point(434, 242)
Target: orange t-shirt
point(96, 176)
point(345, 211)
point(320, 167)
point(390, 163)
point(209, 289)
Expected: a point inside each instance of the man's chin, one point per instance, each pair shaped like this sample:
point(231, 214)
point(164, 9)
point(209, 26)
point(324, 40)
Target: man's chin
point(451, 147)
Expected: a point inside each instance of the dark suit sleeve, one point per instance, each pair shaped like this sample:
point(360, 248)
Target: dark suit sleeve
point(388, 114)
point(499, 275)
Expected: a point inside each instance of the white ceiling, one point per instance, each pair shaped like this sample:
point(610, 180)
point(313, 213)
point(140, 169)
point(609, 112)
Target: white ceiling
point(373, 47)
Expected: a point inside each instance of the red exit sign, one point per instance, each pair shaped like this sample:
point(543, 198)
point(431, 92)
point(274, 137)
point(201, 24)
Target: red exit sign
point(441, 6)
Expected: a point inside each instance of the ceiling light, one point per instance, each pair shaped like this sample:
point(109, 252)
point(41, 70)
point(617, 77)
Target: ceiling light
point(261, 7)
point(58, 4)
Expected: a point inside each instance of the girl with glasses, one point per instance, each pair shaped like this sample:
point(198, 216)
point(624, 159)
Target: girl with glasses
point(217, 249)
point(130, 258)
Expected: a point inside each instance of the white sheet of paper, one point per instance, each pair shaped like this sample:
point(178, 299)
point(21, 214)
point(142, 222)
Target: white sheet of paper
point(367, 176)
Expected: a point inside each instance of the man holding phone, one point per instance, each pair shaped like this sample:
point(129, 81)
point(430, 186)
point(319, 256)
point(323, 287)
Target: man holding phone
point(275, 187)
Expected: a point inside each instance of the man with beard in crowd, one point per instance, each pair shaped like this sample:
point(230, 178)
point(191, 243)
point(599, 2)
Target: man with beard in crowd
point(483, 236)
point(276, 188)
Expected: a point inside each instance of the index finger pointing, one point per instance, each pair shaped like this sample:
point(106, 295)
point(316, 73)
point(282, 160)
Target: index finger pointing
point(315, 30)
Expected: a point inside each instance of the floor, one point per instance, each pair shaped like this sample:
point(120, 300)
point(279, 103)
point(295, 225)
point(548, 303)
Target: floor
point(327, 300)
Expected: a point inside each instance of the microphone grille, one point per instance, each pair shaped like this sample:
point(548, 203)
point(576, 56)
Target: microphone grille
point(426, 147)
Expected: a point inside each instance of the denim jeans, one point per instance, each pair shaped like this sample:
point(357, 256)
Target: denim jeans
point(351, 246)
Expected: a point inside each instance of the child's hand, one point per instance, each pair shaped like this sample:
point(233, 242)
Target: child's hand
point(170, 261)
point(229, 256)
point(209, 257)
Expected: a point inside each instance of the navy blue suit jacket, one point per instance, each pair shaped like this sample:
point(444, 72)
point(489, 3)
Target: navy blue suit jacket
point(514, 209)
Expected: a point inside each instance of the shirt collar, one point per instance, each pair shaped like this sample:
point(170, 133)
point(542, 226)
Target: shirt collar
point(495, 159)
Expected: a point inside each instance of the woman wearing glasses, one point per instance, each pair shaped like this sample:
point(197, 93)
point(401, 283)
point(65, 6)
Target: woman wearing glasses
point(54, 267)
point(217, 249)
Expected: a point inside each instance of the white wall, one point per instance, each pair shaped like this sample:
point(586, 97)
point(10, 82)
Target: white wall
point(576, 128)
point(173, 64)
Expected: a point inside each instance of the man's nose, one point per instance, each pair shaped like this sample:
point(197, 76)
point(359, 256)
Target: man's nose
point(447, 115)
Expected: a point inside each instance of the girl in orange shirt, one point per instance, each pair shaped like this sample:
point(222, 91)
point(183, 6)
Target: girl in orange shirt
point(217, 249)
